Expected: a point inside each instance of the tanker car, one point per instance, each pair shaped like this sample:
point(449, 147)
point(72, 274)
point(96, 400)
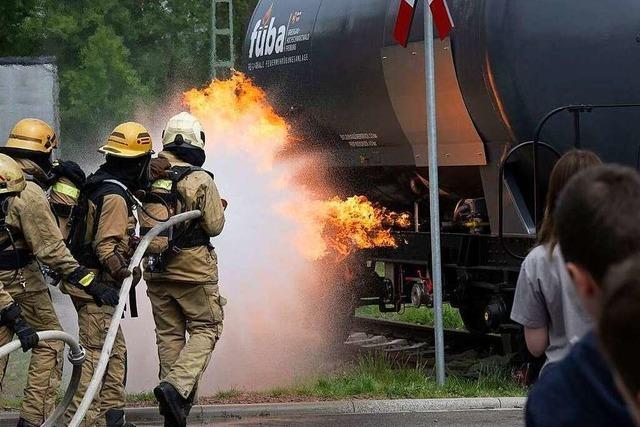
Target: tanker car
point(355, 96)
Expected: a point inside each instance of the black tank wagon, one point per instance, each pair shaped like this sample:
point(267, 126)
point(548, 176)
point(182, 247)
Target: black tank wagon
point(354, 95)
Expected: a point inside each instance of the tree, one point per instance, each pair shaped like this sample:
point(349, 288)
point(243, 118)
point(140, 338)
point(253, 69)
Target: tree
point(13, 39)
point(242, 10)
point(104, 85)
point(113, 55)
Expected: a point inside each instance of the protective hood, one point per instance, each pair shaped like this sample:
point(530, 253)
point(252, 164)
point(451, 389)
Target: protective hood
point(193, 156)
point(132, 172)
point(33, 163)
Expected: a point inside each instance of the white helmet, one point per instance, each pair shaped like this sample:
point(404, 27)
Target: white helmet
point(181, 129)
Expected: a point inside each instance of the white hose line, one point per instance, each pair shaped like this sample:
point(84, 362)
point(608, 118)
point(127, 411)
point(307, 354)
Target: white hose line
point(96, 380)
point(76, 357)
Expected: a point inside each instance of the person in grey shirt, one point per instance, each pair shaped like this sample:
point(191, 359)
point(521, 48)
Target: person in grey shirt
point(544, 302)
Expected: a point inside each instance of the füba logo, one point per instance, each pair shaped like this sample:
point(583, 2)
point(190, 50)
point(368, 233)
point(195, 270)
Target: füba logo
point(267, 38)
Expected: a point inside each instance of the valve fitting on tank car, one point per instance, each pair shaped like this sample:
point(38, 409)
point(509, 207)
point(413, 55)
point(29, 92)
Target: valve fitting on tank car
point(471, 214)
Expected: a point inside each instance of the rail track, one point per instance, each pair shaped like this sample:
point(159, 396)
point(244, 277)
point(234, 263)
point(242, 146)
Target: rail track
point(393, 337)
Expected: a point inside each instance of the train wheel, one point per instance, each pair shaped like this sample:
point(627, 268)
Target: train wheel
point(473, 316)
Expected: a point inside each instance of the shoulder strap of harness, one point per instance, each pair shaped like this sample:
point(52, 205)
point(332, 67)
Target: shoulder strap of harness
point(96, 189)
point(133, 199)
point(177, 173)
point(192, 234)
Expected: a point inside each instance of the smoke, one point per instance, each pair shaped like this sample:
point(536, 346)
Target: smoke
point(275, 330)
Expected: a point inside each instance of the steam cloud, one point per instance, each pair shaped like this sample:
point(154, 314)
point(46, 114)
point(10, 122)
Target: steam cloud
point(274, 331)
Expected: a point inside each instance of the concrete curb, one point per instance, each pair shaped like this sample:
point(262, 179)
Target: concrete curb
point(205, 413)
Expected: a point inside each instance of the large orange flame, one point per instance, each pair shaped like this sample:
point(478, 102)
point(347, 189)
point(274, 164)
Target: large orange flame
point(339, 227)
point(236, 113)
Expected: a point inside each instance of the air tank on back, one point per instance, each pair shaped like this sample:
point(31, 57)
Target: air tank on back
point(350, 92)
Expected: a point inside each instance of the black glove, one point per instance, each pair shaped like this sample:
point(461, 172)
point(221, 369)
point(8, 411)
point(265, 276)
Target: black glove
point(11, 318)
point(26, 334)
point(70, 170)
point(84, 279)
point(103, 294)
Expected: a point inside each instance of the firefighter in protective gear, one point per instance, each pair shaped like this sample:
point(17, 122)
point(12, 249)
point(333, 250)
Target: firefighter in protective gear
point(31, 144)
point(32, 238)
point(106, 246)
point(181, 270)
point(12, 182)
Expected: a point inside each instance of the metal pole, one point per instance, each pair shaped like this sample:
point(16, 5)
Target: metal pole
point(214, 35)
point(232, 53)
point(434, 193)
point(576, 129)
point(101, 367)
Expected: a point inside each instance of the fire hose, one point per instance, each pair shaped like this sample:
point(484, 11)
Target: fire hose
point(76, 357)
point(100, 369)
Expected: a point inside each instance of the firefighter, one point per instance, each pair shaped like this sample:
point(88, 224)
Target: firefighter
point(63, 179)
point(33, 239)
point(181, 270)
point(104, 241)
point(12, 182)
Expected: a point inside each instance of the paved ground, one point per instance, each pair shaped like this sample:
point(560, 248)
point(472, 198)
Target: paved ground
point(480, 418)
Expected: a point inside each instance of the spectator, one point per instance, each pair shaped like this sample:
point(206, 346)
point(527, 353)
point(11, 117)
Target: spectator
point(543, 302)
point(597, 227)
point(619, 329)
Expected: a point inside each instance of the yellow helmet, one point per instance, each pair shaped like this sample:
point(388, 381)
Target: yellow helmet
point(128, 140)
point(32, 135)
point(11, 176)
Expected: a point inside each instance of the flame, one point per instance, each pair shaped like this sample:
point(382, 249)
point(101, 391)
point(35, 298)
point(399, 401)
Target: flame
point(338, 227)
point(236, 114)
point(230, 107)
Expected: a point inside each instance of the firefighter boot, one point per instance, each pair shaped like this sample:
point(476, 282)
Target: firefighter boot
point(171, 405)
point(115, 418)
point(24, 423)
point(188, 404)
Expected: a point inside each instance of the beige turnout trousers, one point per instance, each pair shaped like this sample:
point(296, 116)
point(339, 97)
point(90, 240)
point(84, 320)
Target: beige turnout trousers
point(45, 366)
point(179, 308)
point(93, 322)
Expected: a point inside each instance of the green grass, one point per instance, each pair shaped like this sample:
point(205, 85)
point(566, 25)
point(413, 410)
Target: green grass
point(369, 377)
point(140, 397)
point(229, 394)
point(422, 316)
point(372, 377)
point(15, 380)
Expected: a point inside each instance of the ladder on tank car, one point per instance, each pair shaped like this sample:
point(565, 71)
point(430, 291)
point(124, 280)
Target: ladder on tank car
point(221, 61)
